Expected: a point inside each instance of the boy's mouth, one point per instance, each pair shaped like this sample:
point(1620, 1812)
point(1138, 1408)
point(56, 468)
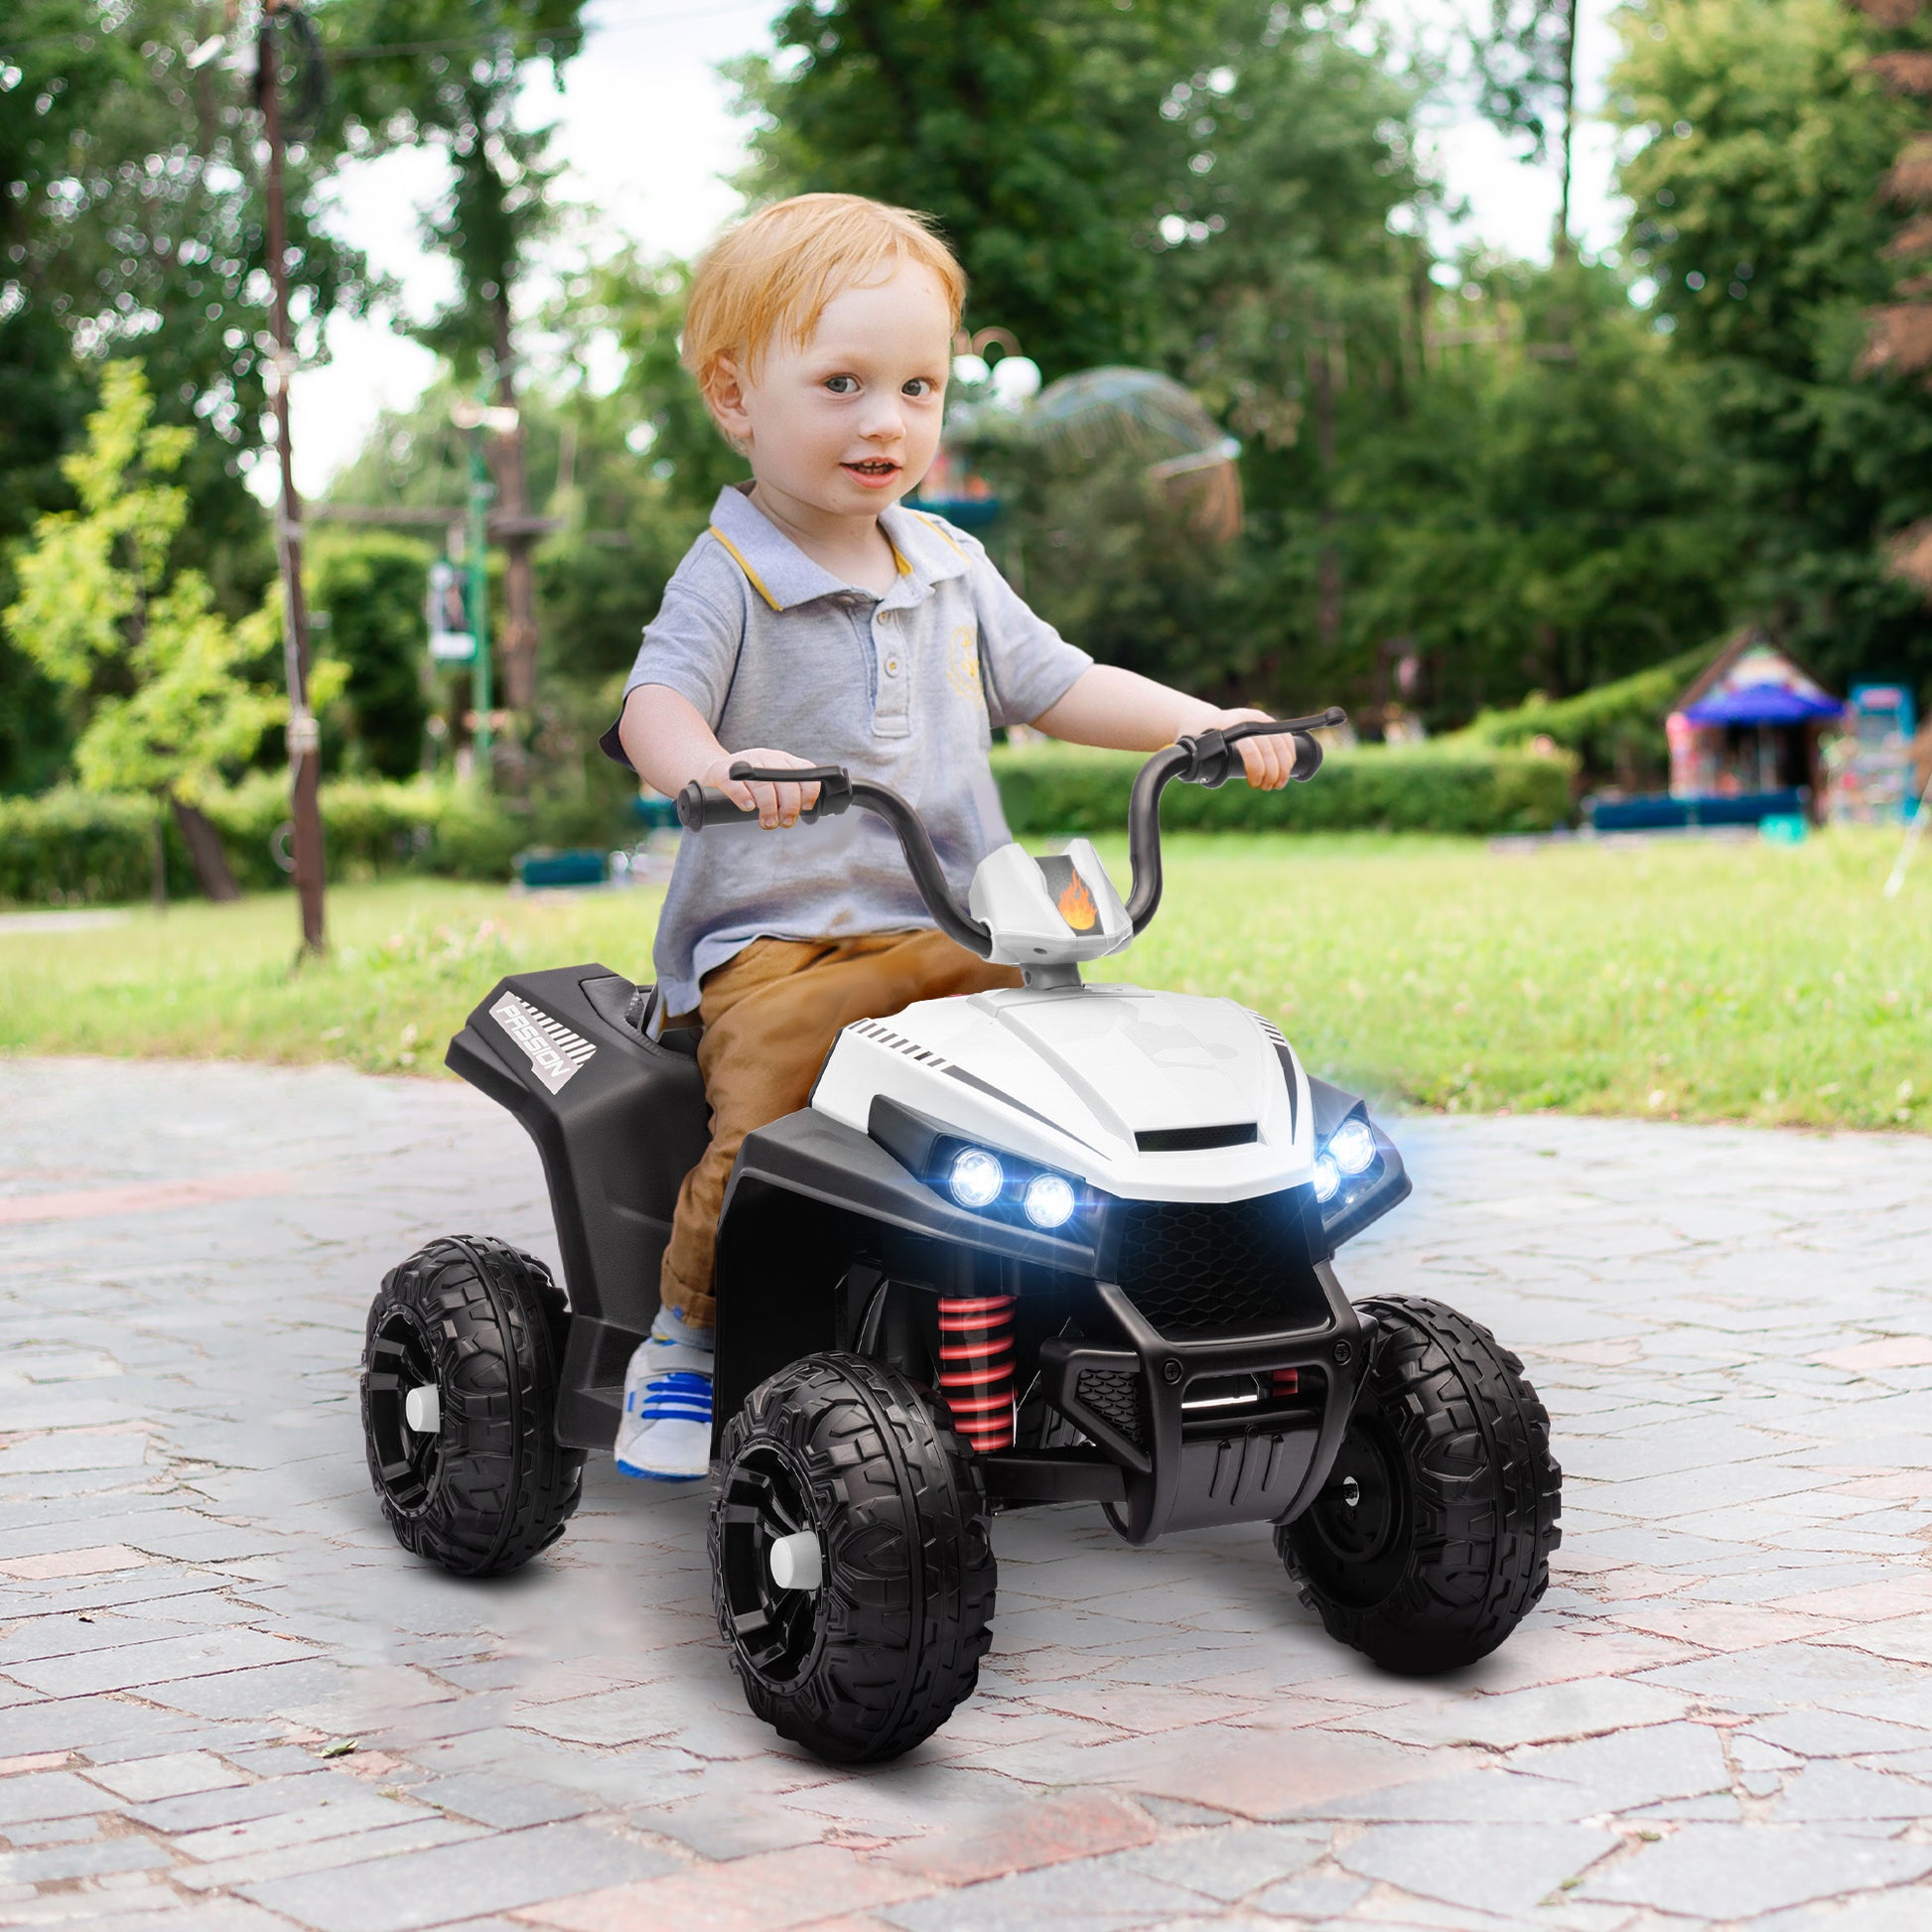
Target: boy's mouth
point(873, 471)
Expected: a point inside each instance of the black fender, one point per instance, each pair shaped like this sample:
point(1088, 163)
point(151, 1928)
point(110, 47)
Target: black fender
point(807, 1198)
point(617, 1120)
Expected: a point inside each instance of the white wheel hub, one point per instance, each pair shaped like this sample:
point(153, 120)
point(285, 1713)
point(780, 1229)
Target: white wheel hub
point(422, 1410)
point(797, 1563)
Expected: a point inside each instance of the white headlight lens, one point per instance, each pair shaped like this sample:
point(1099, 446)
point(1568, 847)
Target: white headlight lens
point(1049, 1200)
point(1352, 1146)
point(976, 1178)
point(1327, 1179)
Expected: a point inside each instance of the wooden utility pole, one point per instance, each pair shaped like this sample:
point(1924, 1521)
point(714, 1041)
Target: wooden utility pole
point(513, 492)
point(303, 734)
point(1564, 248)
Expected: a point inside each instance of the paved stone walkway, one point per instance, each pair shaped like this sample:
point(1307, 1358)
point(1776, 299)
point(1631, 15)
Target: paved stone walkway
point(1721, 1714)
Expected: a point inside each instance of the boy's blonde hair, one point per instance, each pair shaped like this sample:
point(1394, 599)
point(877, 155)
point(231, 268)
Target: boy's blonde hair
point(774, 272)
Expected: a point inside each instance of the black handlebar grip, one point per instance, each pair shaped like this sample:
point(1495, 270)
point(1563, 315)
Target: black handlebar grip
point(698, 806)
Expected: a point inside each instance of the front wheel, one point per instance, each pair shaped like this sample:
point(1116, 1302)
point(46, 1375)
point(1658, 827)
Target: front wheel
point(461, 1369)
point(1431, 1539)
point(851, 1567)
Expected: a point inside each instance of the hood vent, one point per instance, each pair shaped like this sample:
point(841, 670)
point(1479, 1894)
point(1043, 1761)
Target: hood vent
point(1191, 1140)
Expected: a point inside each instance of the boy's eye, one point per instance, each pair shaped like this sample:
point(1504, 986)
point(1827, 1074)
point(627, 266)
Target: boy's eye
point(843, 385)
point(920, 385)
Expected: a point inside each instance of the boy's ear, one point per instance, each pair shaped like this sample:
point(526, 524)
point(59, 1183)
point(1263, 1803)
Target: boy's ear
point(723, 391)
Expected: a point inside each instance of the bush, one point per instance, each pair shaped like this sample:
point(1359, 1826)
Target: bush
point(1615, 730)
point(373, 584)
point(76, 848)
point(1064, 788)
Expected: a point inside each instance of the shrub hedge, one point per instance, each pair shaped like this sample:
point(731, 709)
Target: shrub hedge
point(74, 848)
point(1616, 730)
point(1064, 788)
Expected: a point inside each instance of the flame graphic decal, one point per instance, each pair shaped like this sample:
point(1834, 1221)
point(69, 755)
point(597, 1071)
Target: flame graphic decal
point(1076, 906)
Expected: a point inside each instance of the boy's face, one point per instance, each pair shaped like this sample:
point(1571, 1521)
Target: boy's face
point(848, 422)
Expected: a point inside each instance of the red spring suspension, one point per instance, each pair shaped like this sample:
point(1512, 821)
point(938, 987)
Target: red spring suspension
point(976, 1366)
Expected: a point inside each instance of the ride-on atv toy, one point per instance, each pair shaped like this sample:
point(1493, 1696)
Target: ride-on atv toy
point(1062, 1243)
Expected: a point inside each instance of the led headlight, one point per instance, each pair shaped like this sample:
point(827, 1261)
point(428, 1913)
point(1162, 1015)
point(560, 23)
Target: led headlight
point(976, 1178)
point(1352, 1146)
point(1049, 1200)
point(1327, 1179)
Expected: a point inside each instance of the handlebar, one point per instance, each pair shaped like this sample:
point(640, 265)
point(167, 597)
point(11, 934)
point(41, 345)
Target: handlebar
point(1203, 760)
point(1206, 759)
point(838, 791)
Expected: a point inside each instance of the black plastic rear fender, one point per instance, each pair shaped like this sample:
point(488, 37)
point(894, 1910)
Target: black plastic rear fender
point(619, 1120)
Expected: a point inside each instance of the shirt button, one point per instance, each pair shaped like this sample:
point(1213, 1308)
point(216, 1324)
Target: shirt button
point(892, 668)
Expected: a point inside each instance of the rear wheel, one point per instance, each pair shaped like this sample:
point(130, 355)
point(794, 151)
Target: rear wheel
point(852, 1570)
point(1431, 1539)
point(461, 1368)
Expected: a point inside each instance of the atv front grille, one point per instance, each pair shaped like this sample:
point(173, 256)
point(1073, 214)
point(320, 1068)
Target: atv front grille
point(1218, 1268)
point(1115, 1397)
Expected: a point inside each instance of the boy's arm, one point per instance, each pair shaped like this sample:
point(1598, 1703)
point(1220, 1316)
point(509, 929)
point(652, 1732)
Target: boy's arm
point(669, 744)
point(1129, 713)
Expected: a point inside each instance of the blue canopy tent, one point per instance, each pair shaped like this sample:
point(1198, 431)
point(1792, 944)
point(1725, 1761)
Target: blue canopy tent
point(1762, 704)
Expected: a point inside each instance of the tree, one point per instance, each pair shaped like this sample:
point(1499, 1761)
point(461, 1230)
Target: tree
point(1526, 71)
point(373, 586)
point(131, 219)
point(166, 680)
point(1030, 128)
point(1766, 138)
point(1552, 516)
point(453, 78)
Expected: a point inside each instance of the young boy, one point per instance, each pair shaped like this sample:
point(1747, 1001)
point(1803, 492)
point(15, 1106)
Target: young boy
point(818, 621)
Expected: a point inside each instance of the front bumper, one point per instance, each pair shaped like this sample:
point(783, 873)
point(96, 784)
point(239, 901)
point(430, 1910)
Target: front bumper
point(1187, 1422)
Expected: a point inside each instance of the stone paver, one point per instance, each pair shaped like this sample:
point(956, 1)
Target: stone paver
point(1721, 1714)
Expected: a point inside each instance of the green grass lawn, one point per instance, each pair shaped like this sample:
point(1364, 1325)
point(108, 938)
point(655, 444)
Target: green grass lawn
point(1685, 980)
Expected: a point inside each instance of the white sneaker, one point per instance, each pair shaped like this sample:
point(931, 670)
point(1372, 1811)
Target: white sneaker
point(665, 1434)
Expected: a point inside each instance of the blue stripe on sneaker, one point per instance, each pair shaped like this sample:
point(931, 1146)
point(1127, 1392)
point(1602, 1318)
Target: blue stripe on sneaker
point(681, 1381)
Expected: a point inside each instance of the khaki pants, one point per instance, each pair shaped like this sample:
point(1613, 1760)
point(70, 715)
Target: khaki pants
point(770, 1015)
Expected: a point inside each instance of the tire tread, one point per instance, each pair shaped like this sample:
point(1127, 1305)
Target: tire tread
point(496, 1323)
point(1486, 1493)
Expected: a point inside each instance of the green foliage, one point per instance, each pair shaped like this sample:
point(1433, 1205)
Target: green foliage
point(1028, 127)
point(1759, 218)
point(1616, 731)
point(1053, 788)
point(102, 611)
point(373, 586)
point(463, 99)
point(131, 214)
point(74, 848)
point(69, 846)
point(1551, 514)
point(1525, 67)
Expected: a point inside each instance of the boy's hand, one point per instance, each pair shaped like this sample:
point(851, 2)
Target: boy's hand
point(1269, 762)
point(775, 805)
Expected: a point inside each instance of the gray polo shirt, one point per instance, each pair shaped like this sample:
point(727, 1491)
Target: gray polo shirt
point(901, 689)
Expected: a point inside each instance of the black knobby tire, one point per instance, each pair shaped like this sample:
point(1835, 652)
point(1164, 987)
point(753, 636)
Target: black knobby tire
point(492, 1486)
point(876, 1658)
point(1430, 1538)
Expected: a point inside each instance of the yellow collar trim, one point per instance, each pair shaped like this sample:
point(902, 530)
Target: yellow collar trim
point(939, 529)
point(756, 581)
